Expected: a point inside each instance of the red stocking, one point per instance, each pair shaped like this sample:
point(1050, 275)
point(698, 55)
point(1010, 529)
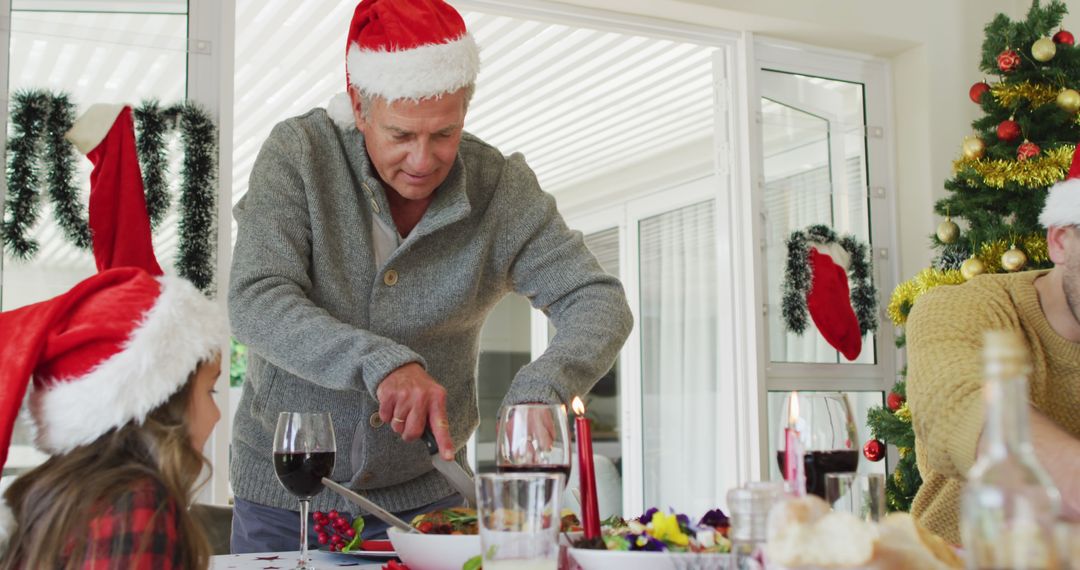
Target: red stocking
point(829, 302)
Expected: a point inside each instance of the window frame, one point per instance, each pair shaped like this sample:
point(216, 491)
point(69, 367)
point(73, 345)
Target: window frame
point(874, 74)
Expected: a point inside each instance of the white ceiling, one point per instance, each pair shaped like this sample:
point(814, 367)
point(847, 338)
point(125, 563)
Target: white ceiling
point(581, 104)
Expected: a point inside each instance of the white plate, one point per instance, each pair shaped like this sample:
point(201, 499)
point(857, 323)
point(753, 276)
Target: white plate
point(639, 560)
point(434, 551)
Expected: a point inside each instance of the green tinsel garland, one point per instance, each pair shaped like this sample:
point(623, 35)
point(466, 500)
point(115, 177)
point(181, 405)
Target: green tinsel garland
point(198, 197)
point(39, 121)
point(38, 115)
point(152, 126)
point(797, 279)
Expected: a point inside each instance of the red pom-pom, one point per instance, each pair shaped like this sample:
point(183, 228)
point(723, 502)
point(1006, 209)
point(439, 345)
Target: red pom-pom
point(874, 450)
point(1027, 150)
point(978, 90)
point(1064, 37)
point(1008, 61)
point(1008, 130)
point(894, 401)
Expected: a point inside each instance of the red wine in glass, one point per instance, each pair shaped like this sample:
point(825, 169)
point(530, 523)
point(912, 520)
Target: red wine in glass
point(304, 449)
point(533, 438)
point(301, 473)
point(563, 469)
point(818, 464)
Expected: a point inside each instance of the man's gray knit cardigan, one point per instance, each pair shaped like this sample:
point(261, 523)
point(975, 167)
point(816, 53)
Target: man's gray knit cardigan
point(324, 325)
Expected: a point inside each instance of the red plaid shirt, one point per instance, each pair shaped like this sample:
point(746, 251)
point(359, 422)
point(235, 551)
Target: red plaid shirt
point(133, 534)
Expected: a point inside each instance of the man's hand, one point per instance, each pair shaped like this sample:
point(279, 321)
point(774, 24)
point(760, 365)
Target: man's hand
point(530, 433)
point(409, 400)
point(1059, 454)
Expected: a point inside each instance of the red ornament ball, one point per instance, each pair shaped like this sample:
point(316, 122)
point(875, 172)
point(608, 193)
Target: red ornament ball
point(874, 450)
point(1008, 61)
point(978, 90)
point(1064, 37)
point(1008, 130)
point(894, 401)
point(1027, 150)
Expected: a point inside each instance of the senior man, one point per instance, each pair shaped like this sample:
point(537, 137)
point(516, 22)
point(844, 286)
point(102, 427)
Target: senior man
point(374, 239)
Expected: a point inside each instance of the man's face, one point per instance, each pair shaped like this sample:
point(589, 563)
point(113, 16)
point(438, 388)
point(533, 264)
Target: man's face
point(412, 145)
point(1068, 259)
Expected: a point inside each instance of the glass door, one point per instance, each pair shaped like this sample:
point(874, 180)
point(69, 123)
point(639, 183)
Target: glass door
point(678, 322)
point(823, 161)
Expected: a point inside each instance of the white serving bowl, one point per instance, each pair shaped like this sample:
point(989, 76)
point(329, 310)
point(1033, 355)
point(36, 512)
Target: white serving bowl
point(434, 551)
point(639, 560)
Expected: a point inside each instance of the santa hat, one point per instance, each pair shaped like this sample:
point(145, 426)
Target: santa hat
point(118, 344)
point(405, 49)
point(1063, 202)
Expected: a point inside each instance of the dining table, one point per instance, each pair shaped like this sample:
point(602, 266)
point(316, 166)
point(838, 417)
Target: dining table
point(287, 561)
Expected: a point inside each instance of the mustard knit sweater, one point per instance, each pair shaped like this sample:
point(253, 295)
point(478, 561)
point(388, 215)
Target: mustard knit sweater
point(944, 333)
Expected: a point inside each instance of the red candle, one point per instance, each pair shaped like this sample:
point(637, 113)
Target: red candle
point(794, 469)
point(590, 513)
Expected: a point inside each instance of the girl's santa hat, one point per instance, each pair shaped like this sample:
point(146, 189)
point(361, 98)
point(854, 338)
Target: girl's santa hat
point(1063, 202)
point(405, 49)
point(118, 344)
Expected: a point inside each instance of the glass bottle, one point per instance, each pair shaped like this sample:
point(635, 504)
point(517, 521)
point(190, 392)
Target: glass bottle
point(749, 507)
point(1009, 506)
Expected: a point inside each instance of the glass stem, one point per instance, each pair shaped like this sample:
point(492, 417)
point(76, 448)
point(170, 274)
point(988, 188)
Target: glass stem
point(304, 504)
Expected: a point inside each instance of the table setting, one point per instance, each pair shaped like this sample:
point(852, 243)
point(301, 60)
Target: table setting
point(824, 514)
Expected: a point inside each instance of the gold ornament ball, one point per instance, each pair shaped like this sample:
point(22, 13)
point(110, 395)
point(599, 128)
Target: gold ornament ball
point(971, 267)
point(973, 147)
point(1043, 49)
point(1013, 259)
point(948, 231)
point(1068, 100)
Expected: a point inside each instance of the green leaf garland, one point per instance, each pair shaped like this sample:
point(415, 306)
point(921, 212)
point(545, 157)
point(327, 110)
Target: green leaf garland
point(39, 154)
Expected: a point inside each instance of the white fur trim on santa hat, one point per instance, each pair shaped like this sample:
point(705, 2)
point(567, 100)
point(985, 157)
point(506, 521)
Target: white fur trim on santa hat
point(839, 255)
point(417, 73)
point(341, 112)
point(1062, 205)
point(182, 329)
point(90, 128)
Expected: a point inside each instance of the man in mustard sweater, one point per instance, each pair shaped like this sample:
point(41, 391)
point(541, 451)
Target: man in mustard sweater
point(945, 373)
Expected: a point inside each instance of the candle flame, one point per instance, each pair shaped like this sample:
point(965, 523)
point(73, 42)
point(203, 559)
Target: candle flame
point(578, 405)
point(793, 409)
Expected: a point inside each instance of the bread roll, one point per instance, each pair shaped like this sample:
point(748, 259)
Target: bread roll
point(904, 544)
point(805, 533)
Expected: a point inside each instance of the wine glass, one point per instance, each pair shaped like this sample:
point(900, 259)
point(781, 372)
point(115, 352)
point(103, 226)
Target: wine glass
point(533, 438)
point(826, 429)
point(304, 451)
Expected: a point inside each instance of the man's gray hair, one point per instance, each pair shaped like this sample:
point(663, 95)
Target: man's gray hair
point(366, 99)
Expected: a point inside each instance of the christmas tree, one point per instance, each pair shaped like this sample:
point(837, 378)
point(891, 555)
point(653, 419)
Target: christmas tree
point(1021, 146)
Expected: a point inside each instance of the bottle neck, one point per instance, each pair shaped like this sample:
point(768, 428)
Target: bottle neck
point(1007, 427)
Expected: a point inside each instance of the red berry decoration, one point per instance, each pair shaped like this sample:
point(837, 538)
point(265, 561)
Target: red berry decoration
point(1064, 37)
point(978, 90)
point(1008, 130)
point(1008, 61)
point(894, 401)
point(1027, 150)
point(874, 450)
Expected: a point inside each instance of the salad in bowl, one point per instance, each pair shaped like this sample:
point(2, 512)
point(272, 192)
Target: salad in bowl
point(657, 540)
